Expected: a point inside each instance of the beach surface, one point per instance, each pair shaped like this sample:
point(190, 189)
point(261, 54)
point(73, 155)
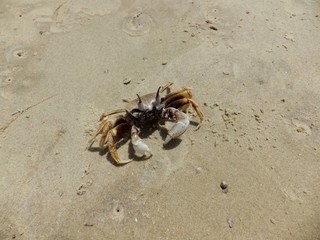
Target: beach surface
point(251, 171)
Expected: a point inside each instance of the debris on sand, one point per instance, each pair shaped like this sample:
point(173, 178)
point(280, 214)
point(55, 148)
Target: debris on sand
point(224, 187)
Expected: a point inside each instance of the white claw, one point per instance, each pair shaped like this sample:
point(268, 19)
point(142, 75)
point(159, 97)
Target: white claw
point(179, 127)
point(139, 146)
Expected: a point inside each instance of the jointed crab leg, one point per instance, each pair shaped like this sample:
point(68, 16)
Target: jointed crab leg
point(111, 144)
point(183, 92)
point(105, 126)
point(138, 145)
point(184, 103)
point(104, 129)
point(104, 116)
point(167, 86)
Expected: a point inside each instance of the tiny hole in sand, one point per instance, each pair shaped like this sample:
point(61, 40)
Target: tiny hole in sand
point(19, 54)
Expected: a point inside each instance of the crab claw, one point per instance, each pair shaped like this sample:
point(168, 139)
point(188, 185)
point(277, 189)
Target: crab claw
point(138, 145)
point(181, 125)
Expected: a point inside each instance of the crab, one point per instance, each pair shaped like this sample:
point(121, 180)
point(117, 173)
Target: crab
point(139, 113)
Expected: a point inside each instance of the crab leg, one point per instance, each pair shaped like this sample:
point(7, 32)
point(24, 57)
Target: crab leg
point(184, 103)
point(112, 149)
point(104, 116)
point(104, 129)
point(138, 145)
point(167, 86)
point(181, 123)
point(105, 133)
point(183, 92)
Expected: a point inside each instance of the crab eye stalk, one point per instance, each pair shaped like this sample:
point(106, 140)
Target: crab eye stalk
point(140, 104)
point(139, 98)
point(158, 98)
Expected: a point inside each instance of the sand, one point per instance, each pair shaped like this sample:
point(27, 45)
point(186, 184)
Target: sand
point(254, 70)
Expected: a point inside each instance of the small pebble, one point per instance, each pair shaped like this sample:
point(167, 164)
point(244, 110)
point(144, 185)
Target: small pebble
point(126, 81)
point(213, 28)
point(224, 187)
point(199, 170)
point(230, 222)
point(88, 225)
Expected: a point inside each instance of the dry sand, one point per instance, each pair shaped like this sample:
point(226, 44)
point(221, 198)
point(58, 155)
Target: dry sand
point(254, 69)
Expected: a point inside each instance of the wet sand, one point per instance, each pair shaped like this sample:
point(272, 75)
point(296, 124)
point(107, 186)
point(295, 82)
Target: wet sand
point(254, 70)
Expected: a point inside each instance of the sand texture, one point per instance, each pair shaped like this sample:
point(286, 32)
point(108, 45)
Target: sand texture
point(252, 170)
